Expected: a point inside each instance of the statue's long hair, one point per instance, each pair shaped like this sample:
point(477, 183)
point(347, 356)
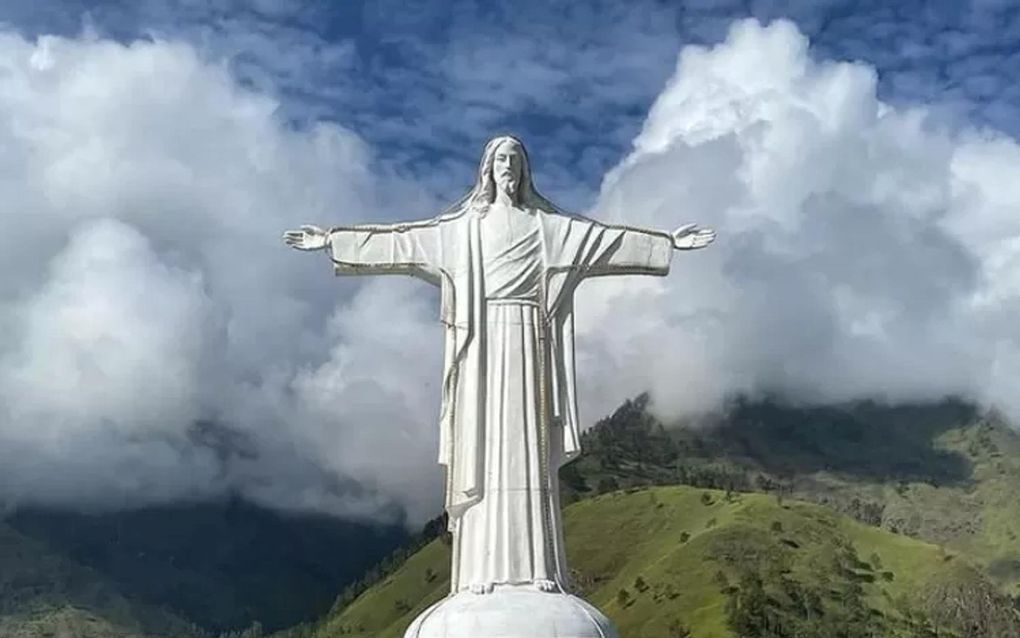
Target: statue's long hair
point(483, 192)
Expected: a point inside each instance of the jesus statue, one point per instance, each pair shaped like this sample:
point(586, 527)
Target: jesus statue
point(507, 262)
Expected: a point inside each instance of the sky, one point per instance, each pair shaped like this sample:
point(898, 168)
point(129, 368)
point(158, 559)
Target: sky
point(158, 342)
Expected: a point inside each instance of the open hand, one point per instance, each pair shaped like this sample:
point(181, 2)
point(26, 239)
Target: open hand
point(690, 237)
point(308, 238)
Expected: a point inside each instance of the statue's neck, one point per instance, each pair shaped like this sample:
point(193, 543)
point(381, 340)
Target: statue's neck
point(505, 198)
point(504, 209)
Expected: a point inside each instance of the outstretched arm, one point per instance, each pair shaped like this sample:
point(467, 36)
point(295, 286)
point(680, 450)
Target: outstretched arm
point(630, 251)
point(620, 250)
point(410, 249)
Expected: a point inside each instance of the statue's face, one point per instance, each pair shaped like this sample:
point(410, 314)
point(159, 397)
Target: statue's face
point(506, 167)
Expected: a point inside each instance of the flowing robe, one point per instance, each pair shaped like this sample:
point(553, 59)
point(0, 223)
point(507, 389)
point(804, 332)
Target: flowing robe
point(509, 411)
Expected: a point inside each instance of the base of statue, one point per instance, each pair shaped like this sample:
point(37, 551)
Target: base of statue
point(512, 612)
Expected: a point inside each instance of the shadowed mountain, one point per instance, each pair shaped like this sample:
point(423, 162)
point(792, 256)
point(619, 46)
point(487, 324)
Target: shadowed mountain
point(220, 565)
point(46, 595)
point(861, 441)
point(864, 440)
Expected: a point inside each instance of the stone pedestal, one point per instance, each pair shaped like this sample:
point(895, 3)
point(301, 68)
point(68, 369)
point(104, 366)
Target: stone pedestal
point(512, 612)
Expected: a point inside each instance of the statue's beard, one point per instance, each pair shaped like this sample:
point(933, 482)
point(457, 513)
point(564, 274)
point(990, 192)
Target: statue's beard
point(507, 183)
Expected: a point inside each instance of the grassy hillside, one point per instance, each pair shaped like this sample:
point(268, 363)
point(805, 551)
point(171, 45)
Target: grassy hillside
point(44, 595)
point(942, 473)
point(917, 530)
point(680, 561)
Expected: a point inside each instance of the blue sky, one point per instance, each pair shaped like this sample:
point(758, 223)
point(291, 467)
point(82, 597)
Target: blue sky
point(428, 82)
point(858, 159)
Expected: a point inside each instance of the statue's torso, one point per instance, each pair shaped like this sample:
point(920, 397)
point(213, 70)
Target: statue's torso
point(512, 254)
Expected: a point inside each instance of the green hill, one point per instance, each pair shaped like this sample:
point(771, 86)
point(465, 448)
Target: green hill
point(869, 520)
point(941, 472)
point(683, 561)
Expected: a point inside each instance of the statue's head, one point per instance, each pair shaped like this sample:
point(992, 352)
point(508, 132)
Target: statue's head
point(505, 167)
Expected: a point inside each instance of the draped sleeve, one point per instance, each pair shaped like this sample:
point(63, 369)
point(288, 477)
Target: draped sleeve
point(407, 249)
point(596, 249)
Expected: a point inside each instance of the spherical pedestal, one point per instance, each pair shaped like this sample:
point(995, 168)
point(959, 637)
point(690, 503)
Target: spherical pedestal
point(512, 612)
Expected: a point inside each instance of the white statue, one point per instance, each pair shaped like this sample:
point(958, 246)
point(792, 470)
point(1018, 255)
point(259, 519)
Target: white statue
point(508, 263)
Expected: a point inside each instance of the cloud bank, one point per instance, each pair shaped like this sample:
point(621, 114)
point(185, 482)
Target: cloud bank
point(863, 251)
point(158, 341)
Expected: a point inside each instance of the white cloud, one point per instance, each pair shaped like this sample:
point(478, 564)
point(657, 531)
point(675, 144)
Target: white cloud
point(144, 288)
point(112, 340)
point(861, 251)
